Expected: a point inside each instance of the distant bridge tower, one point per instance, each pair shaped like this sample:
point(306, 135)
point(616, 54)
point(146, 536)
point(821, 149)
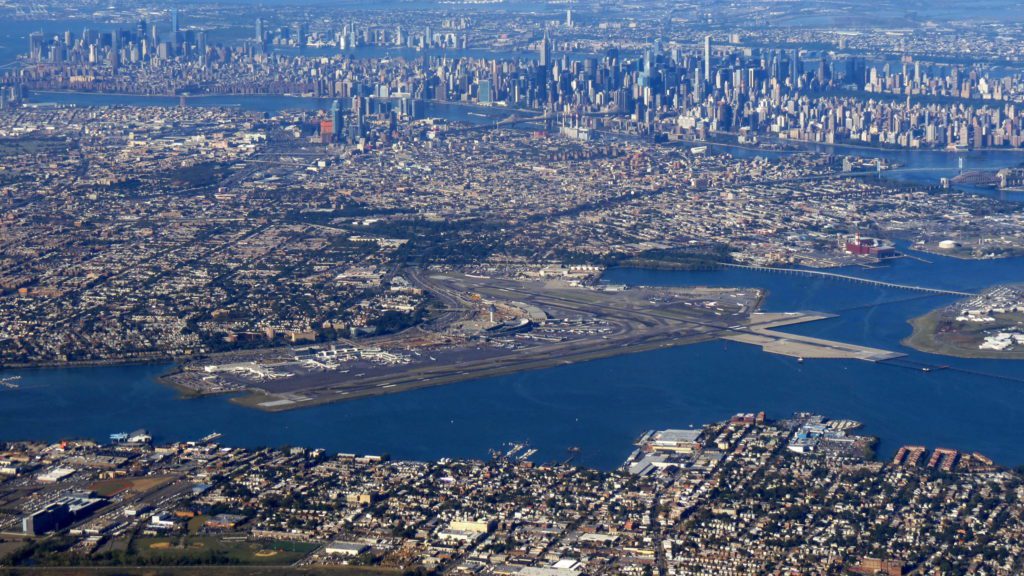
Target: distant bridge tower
point(961, 164)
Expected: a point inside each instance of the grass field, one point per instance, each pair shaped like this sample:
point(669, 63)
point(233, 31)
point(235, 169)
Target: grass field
point(114, 486)
point(196, 523)
point(7, 548)
point(215, 550)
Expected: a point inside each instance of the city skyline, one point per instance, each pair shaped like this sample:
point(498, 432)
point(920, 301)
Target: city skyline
point(555, 289)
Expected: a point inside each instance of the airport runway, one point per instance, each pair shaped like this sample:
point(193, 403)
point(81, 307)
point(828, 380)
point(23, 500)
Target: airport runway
point(636, 323)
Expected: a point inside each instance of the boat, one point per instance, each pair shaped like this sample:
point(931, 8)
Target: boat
point(800, 359)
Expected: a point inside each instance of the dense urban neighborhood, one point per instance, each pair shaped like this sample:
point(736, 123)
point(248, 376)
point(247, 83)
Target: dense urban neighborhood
point(747, 495)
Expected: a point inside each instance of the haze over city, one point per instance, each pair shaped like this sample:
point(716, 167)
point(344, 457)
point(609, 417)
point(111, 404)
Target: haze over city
point(506, 287)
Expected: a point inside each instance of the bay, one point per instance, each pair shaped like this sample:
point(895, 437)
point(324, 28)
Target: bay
point(601, 406)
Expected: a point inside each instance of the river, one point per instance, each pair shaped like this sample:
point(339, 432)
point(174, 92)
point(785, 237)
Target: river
point(601, 406)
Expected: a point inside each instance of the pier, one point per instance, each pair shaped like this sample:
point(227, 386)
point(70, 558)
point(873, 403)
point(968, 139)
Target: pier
point(837, 276)
point(761, 332)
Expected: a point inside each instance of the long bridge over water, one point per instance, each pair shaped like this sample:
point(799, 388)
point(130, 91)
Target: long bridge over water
point(822, 273)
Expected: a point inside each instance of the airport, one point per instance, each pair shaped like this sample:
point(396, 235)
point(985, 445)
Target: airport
point(488, 326)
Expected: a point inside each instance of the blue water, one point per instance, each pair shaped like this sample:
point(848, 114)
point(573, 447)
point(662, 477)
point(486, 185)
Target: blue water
point(921, 167)
point(602, 406)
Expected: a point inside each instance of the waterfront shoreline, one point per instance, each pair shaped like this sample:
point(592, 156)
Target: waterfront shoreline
point(254, 399)
point(924, 338)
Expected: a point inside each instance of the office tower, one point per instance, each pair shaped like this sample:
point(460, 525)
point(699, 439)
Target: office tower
point(114, 57)
point(175, 27)
point(337, 120)
point(35, 46)
point(568, 16)
point(201, 42)
point(794, 68)
point(707, 59)
point(259, 30)
point(544, 55)
point(484, 92)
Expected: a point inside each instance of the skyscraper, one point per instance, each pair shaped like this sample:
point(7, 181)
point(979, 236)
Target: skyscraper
point(175, 28)
point(484, 92)
point(337, 120)
point(35, 46)
point(544, 54)
point(707, 59)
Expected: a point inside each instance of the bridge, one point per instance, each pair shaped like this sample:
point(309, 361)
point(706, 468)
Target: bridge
point(837, 276)
point(511, 120)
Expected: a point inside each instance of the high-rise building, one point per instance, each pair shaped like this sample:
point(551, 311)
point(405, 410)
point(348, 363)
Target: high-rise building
point(35, 46)
point(337, 120)
point(175, 27)
point(795, 68)
point(260, 35)
point(544, 54)
point(201, 42)
point(707, 59)
point(484, 92)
